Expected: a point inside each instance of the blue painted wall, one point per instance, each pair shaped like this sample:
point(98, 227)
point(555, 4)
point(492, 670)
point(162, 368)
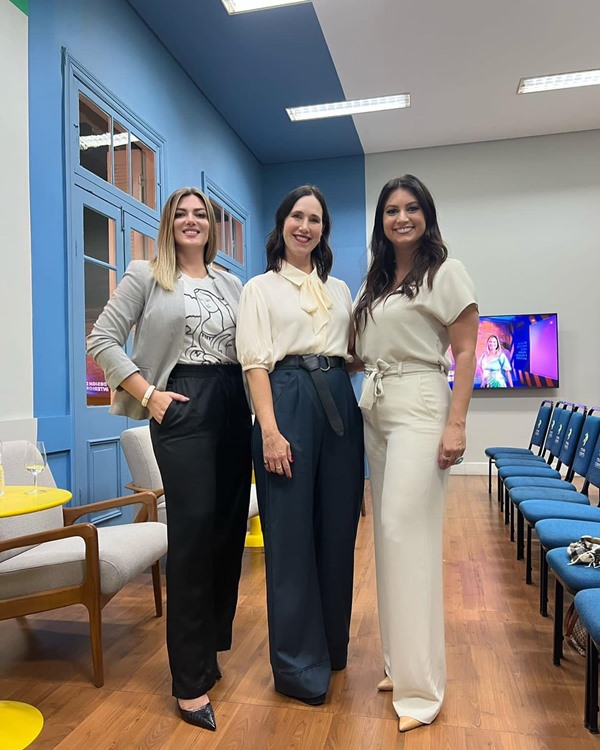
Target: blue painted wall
point(111, 41)
point(342, 182)
point(116, 47)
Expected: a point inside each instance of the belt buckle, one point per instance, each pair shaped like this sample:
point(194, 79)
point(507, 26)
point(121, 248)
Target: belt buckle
point(326, 357)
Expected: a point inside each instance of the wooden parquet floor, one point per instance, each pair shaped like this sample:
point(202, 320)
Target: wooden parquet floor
point(503, 691)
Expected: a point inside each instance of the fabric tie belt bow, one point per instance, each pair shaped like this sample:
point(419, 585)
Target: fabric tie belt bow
point(373, 382)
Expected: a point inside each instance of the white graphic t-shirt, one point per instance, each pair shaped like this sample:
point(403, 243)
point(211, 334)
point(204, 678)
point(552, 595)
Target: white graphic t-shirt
point(209, 325)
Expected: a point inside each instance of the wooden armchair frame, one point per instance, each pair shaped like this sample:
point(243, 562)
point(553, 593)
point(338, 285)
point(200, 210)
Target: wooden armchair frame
point(88, 592)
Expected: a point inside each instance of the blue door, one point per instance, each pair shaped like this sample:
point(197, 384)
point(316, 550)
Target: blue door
point(107, 236)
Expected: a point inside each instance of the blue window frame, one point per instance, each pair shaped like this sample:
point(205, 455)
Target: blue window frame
point(232, 222)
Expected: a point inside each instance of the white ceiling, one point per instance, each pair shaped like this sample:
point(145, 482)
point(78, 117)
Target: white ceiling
point(461, 61)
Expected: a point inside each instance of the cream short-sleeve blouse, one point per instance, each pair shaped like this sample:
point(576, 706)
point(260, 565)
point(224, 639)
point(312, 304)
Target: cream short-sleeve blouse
point(415, 330)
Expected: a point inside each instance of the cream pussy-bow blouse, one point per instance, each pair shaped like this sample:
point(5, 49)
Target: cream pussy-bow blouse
point(292, 312)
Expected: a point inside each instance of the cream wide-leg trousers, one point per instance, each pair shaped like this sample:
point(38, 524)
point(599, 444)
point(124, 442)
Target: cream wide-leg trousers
point(403, 427)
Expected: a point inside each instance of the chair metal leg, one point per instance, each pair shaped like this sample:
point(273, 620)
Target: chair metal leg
point(520, 529)
point(507, 504)
point(490, 475)
point(543, 583)
point(527, 550)
point(499, 490)
point(557, 653)
point(590, 719)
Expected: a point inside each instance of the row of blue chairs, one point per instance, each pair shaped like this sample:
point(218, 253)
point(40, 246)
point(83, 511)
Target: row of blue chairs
point(531, 487)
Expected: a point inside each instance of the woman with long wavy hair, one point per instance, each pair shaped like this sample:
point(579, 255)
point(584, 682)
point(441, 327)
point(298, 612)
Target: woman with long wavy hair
point(414, 303)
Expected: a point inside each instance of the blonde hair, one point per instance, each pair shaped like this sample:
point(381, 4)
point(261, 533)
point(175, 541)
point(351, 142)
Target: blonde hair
point(164, 265)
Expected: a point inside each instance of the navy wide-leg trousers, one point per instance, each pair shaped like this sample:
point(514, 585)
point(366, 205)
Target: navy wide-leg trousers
point(309, 525)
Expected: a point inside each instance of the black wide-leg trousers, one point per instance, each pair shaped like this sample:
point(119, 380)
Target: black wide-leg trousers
point(202, 448)
point(309, 524)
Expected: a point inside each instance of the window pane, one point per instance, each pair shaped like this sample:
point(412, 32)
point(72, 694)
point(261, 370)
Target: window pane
point(142, 247)
point(121, 142)
point(94, 138)
point(227, 231)
point(99, 236)
point(219, 221)
point(143, 185)
point(238, 240)
point(100, 283)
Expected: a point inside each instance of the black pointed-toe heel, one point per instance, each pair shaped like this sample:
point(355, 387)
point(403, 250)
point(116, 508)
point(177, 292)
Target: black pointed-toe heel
point(203, 717)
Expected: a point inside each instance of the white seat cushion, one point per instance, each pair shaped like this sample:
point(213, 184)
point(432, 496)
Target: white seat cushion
point(124, 550)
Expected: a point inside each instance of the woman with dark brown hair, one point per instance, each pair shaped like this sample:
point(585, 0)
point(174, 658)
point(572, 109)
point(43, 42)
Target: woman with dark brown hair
point(415, 303)
point(307, 444)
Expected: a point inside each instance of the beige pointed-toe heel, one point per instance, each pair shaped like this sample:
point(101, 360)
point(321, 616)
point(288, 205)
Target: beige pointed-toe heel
point(406, 723)
point(385, 685)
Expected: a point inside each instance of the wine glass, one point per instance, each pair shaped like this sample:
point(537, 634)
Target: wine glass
point(35, 463)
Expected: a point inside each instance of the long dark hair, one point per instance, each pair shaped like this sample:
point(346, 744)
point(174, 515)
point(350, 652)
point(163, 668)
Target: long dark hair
point(428, 258)
point(322, 256)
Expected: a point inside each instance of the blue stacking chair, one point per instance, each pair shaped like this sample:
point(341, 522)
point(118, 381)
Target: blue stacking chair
point(543, 454)
point(553, 533)
point(520, 474)
point(540, 428)
point(587, 604)
point(535, 511)
point(573, 578)
point(574, 456)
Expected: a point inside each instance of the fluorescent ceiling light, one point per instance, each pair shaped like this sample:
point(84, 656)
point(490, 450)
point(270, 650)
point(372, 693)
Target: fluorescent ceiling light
point(243, 6)
point(560, 81)
point(354, 107)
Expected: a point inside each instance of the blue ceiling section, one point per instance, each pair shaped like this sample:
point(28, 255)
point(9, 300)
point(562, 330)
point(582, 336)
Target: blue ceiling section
point(251, 66)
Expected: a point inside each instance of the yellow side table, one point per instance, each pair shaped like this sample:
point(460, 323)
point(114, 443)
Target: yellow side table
point(254, 537)
point(17, 501)
point(20, 724)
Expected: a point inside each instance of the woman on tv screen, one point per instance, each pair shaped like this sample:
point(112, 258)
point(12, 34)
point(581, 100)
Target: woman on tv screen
point(495, 366)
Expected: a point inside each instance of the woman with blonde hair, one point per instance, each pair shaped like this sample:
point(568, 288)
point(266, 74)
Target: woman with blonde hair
point(183, 374)
point(496, 370)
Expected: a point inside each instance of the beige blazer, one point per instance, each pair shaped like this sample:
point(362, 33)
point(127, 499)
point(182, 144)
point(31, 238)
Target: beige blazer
point(159, 320)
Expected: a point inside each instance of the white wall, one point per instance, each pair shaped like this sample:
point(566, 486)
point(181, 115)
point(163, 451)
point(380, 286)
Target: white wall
point(16, 368)
point(524, 217)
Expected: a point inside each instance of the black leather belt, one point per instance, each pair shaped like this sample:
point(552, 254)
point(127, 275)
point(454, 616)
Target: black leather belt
point(316, 365)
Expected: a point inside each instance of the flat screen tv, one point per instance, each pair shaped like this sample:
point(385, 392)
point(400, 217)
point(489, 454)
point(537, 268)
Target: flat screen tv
point(516, 351)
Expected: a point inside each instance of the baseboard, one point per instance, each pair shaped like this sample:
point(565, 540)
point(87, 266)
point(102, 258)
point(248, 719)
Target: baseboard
point(471, 468)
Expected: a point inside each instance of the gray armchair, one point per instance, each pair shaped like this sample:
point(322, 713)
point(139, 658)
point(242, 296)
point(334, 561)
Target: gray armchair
point(145, 474)
point(47, 562)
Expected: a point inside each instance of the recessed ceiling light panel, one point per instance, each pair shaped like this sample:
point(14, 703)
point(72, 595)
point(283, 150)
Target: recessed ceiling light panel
point(560, 81)
point(243, 6)
point(354, 107)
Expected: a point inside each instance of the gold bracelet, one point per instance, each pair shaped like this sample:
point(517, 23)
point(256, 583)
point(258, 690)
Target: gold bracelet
point(149, 392)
